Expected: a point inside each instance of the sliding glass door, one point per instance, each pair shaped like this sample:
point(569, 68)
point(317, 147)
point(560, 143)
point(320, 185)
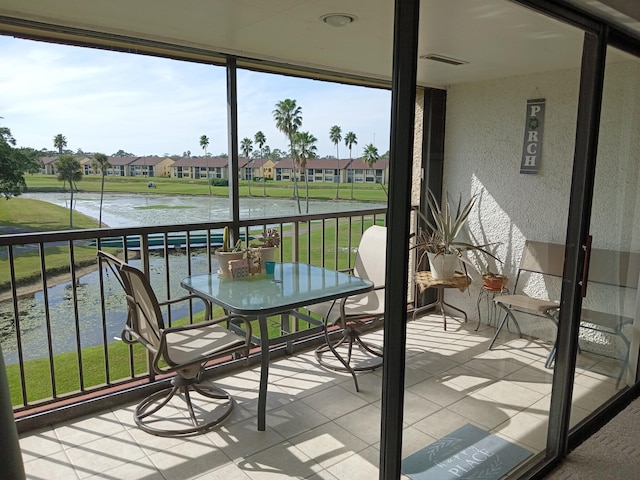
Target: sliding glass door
point(608, 356)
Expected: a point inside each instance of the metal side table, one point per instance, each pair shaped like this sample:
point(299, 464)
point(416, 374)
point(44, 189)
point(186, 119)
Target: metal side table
point(489, 295)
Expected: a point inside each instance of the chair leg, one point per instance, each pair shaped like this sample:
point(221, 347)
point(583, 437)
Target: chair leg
point(351, 336)
point(204, 414)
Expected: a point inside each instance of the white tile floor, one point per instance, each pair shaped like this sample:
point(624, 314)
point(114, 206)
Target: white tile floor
point(318, 427)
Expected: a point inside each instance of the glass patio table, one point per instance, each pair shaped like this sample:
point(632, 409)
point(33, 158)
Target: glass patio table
point(293, 285)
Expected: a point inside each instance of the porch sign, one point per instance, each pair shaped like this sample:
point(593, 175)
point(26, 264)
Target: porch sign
point(469, 453)
point(533, 132)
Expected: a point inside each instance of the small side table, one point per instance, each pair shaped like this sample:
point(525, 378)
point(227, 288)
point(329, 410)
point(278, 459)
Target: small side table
point(489, 295)
point(425, 280)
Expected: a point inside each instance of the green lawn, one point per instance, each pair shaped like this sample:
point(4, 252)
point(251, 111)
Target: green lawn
point(184, 186)
point(28, 214)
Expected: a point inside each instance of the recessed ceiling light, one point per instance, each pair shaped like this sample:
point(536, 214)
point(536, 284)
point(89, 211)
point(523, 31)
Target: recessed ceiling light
point(442, 58)
point(338, 19)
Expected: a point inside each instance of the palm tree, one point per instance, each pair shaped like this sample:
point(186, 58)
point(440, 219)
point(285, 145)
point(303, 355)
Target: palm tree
point(371, 156)
point(59, 142)
point(288, 117)
point(246, 147)
point(350, 140)
point(305, 148)
point(335, 135)
point(204, 143)
point(101, 161)
point(260, 140)
point(69, 168)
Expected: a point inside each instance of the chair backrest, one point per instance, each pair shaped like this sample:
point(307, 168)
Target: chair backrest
point(609, 267)
point(370, 260)
point(144, 314)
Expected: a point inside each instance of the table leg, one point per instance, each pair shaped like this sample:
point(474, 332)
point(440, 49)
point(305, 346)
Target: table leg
point(264, 373)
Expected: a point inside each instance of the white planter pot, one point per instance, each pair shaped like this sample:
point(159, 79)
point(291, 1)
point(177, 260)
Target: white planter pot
point(223, 261)
point(443, 266)
point(267, 254)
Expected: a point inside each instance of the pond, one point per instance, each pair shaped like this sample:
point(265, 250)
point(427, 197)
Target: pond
point(126, 210)
point(131, 210)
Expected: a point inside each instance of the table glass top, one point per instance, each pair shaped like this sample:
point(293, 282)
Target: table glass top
point(292, 285)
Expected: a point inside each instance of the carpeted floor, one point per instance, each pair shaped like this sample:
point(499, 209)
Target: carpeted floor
point(612, 453)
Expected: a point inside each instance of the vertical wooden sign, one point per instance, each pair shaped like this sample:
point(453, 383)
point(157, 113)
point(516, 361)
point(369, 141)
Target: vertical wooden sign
point(533, 133)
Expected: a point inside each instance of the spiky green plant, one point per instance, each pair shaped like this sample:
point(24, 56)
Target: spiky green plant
point(441, 235)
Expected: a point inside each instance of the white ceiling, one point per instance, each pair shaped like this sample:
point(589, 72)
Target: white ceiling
point(496, 37)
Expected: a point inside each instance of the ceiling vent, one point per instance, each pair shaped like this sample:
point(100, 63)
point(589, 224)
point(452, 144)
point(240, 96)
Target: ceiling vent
point(443, 59)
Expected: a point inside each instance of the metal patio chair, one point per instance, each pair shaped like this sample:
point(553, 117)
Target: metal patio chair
point(355, 312)
point(181, 349)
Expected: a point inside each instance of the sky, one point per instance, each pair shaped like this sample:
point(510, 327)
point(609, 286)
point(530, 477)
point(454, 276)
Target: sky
point(104, 101)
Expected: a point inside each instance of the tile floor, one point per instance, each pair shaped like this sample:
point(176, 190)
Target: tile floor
point(318, 427)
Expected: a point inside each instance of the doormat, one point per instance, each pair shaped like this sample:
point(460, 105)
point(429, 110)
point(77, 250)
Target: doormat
point(468, 453)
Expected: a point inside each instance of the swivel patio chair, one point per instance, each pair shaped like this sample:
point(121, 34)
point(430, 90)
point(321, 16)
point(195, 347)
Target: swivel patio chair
point(353, 313)
point(181, 349)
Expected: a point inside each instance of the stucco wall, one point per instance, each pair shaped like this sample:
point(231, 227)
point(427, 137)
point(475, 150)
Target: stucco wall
point(484, 137)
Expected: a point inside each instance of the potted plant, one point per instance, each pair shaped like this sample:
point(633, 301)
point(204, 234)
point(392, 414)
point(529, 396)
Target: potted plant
point(440, 240)
point(226, 253)
point(494, 282)
point(267, 244)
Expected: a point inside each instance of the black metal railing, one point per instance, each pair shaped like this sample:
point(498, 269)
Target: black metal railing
point(61, 314)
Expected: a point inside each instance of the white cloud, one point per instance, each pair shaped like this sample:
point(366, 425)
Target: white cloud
point(105, 101)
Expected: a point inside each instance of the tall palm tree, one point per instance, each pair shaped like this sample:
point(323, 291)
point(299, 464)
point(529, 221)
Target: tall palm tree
point(370, 156)
point(101, 161)
point(305, 148)
point(335, 135)
point(350, 140)
point(69, 168)
point(59, 142)
point(260, 140)
point(204, 143)
point(246, 147)
point(288, 117)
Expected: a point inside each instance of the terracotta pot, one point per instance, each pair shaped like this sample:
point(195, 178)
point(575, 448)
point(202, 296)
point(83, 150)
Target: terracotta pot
point(495, 282)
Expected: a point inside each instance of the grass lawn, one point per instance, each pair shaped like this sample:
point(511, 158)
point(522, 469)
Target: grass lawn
point(184, 186)
point(28, 214)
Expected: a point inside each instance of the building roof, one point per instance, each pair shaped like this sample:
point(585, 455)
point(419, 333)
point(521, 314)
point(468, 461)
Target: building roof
point(210, 162)
point(149, 160)
point(118, 161)
point(359, 163)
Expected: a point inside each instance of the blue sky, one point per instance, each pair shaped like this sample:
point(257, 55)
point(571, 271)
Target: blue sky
point(105, 101)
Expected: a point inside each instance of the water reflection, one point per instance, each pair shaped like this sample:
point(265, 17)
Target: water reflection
point(130, 210)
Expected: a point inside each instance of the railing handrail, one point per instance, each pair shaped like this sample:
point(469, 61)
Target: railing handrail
point(95, 233)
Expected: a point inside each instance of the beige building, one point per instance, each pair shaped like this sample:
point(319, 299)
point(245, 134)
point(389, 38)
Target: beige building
point(200, 167)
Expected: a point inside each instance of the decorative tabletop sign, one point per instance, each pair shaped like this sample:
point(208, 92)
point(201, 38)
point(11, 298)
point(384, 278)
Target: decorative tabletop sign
point(239, 268)
point(533, 131)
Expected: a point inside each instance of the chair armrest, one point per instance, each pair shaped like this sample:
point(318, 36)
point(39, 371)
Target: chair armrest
point(191, 296)
point(215, 321)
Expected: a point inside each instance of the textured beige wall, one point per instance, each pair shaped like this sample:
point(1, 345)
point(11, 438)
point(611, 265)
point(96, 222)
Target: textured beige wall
point(484, 137)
